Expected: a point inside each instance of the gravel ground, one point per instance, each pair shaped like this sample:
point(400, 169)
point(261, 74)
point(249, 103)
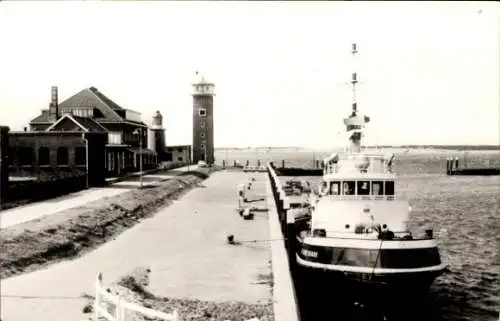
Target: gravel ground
point(133, 287)
point(71, 233)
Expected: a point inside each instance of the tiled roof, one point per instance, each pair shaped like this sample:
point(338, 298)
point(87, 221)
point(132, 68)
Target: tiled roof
point(91, 125)
point(105, 99)
point(91, 97)
point(42, 118)
point(84, 123)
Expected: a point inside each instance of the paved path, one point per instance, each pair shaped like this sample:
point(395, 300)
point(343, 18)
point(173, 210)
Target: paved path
point(184, 244)
point(36, 210)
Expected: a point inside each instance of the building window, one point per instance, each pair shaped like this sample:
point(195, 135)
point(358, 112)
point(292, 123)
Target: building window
point(25, 156)
point(179, 159)
point(80, 156)
point(202, 112)
point(114, 138)
point(202, 135)
point(62, 156)
point(43, 156)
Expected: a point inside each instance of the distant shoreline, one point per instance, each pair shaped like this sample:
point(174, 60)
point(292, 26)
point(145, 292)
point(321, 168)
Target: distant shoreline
point(411, 147)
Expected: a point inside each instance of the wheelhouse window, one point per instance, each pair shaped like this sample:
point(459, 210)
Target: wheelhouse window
point(389, 187)
point(363, 188)
point(348, 188)
point(334, 188)
point(377, 188)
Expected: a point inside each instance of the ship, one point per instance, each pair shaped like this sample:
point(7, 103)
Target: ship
point(356, 228)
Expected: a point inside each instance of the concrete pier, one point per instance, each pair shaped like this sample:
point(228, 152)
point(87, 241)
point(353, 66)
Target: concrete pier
point(186, 248)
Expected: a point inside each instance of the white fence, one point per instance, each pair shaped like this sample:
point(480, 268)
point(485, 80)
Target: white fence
point(122, 308)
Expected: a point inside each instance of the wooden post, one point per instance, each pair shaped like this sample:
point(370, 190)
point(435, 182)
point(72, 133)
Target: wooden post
point(286, 211)
point(97, 301)
point(282, 163)
point(281, 210)
point(247, 163)
point(456, 162)
point(118, 310)
point(223, 163)
point(291, 240)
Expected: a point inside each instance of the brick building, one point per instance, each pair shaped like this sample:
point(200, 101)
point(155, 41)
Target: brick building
point(91, 111)
point(203, 121)
point(179, 153)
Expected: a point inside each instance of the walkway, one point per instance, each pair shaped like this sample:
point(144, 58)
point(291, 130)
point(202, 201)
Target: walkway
point(185, 246)
point(36, 210)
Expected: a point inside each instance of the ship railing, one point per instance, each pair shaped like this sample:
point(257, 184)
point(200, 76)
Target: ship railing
point(374, 165)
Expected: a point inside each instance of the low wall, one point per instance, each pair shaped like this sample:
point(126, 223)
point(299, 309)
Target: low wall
point(42, 190)
point(283, 253)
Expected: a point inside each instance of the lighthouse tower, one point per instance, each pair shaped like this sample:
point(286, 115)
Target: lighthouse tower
point(156, 136)
point(203, 120)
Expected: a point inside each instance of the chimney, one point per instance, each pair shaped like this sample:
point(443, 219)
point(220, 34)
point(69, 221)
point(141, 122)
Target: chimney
point(54, 104)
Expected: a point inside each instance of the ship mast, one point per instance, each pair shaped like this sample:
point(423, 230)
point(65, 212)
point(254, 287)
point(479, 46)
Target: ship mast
point(354, 81)
point(354, 123)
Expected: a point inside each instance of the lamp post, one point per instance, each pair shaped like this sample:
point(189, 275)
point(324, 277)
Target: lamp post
point(138, 131)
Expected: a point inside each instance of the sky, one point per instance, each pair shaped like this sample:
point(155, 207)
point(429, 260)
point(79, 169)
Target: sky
point(429, 72)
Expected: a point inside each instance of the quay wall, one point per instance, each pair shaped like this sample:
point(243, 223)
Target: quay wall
point(283, 254)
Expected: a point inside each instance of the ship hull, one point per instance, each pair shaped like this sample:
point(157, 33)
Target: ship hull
point(379, 270)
